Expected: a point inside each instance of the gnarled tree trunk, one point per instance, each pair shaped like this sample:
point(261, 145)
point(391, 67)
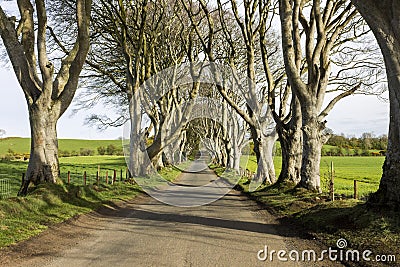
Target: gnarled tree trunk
point(263, 148)
point(138, 159)
point(43, 162)
point(312, 145)
point(290, 138)
point(291, 145)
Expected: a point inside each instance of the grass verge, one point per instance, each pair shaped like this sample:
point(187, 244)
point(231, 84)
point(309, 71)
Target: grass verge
point(47, 204)
point(24, 217)
point(363, 227)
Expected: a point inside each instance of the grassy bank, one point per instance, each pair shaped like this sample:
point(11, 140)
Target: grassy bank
point(24, 217)
point(363, 227)
point(47, 204)
point(13, 170)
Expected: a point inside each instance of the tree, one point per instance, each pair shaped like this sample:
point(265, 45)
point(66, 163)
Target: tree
point(48, 87)
point(383, 17)
point(326, 27)
point(101, 150)
point(133, 41)
point(2, 133)
point(287, 115)
point(231, 39)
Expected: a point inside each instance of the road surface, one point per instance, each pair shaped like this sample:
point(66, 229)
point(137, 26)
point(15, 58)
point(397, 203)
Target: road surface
point(146, 232)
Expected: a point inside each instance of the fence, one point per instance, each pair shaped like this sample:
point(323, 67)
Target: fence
point(5, 188)
point(330, 184)
point(107, 176)
point(10, 182)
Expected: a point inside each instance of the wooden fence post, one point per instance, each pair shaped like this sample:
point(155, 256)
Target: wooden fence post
point(97, 178)
point(115, 176)
point(106, 177)
point(126, 174)
point(332, 183)
point(121, 175)
point(84, 177)
point(69, 177)
point(355, 189)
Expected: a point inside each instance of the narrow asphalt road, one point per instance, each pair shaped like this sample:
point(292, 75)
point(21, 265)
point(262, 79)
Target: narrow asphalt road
point(146, 232)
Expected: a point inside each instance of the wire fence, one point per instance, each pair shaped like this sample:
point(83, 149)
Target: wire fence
point(5, 188)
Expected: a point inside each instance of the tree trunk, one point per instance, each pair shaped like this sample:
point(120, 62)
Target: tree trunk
point(263, 147)
point(138, 159)
point(48, 95)
point(388, 193)
point(383, 17)
point(43, 162)
point(229, 154)
point(236, 161)
point(235, 157)
point(312, 145)
point(290, 137)
point(291, 146)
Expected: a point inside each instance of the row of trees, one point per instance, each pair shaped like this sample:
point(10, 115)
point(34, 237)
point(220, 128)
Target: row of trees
point(324, 49)
point(366, 141)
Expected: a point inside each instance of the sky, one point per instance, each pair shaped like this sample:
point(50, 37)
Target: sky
point(352, 116)
point(14, 117)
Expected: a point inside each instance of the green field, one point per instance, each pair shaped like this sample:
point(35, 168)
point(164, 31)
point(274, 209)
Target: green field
point(77, 166)
point(22, 145)
point(367, 170)
point(13, 170)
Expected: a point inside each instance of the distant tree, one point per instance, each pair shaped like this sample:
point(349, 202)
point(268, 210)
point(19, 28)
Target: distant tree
point(111, 149)
point(74, 153)
point(101, 150)
point(64, 153)
point(366, 141)
point(365, 152)
point(354, 142)
point(86, 152)
point(347, 151)
point(337, 140)
point(2, 133)
point(339, 151)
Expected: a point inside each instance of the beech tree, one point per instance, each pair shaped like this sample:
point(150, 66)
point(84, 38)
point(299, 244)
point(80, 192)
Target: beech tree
point(231, 39)
point(132, 42)
point(324, 27)
point(48, 87)
point(383, 17)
